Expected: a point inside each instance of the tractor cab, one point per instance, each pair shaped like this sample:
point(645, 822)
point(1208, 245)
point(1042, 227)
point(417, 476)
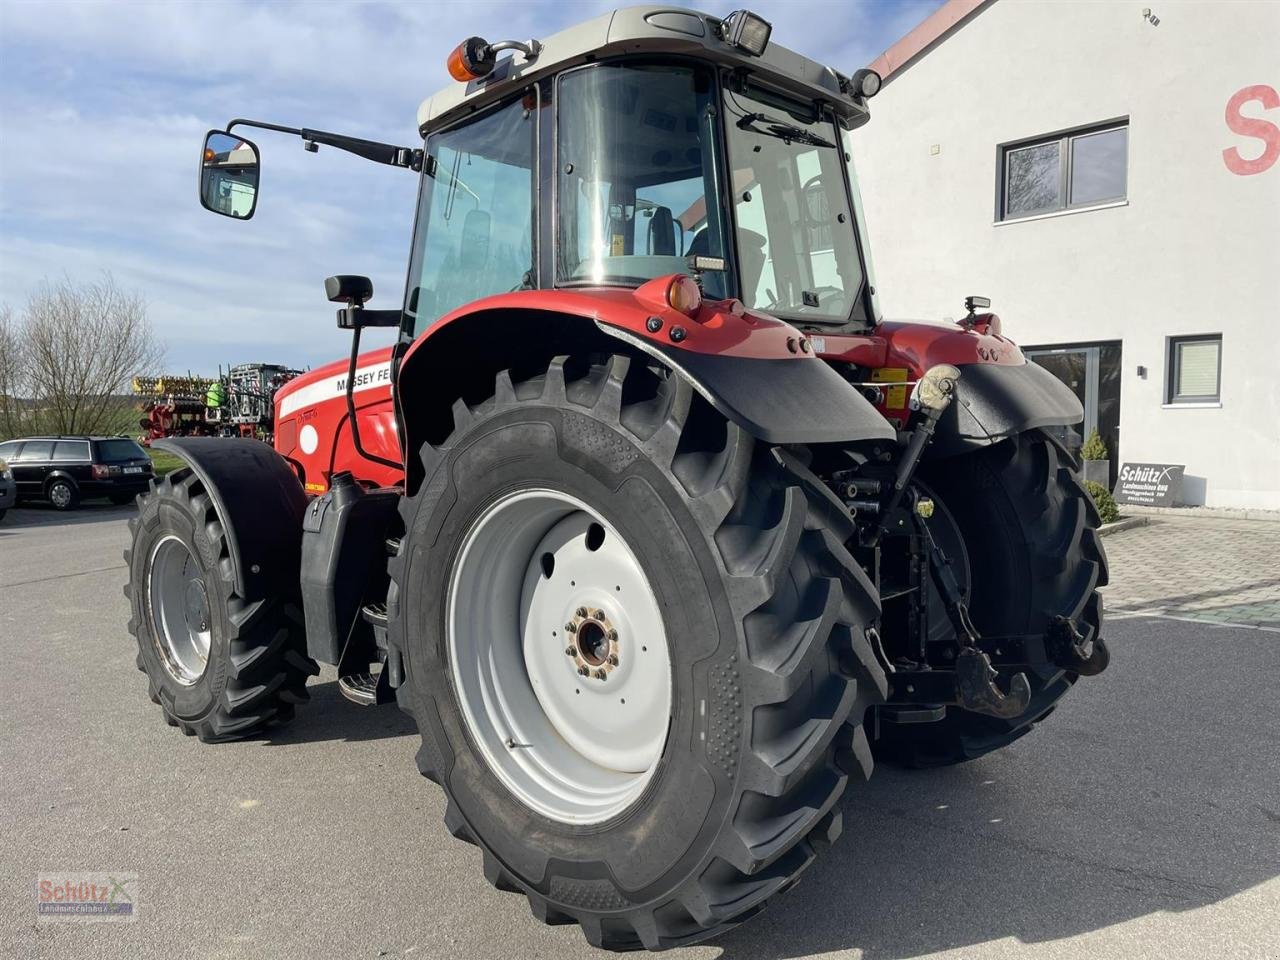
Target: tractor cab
point(637, 146)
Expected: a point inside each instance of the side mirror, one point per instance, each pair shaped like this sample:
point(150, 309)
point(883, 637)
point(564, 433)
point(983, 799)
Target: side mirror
point(229, 175)
point(349, 289)
point(354, 291)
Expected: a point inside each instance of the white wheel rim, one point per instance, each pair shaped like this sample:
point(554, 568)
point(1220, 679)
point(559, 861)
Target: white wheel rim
point(575, 748)
point(178, 603)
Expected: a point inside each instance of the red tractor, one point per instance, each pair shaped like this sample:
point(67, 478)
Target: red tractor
point(651, 522)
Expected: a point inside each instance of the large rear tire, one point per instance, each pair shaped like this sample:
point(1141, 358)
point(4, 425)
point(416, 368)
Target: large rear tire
point(1030, 531)
point(675, 815)
point(220, 668)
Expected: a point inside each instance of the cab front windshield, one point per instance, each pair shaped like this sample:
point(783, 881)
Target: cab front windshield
point(474, 233)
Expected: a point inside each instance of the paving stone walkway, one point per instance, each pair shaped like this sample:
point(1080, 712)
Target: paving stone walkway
point(1218, 571)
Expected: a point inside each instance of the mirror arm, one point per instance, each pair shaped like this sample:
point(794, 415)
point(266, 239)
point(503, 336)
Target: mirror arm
point(406, 157)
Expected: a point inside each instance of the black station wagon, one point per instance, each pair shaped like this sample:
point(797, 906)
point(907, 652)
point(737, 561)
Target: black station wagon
point(66, 470)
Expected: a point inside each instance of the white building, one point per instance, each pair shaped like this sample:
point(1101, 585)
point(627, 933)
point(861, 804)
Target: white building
point(1108, 173)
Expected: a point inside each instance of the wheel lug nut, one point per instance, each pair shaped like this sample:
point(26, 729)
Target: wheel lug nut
point(613, 660)
point(570, 627)
point(599, 614)
point(581, 611)
point(600, 675)
point(569, 651)
point(583, 671)
point(613, 635)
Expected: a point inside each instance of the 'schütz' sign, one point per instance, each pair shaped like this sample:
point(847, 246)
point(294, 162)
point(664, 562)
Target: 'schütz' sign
point(1150, 484)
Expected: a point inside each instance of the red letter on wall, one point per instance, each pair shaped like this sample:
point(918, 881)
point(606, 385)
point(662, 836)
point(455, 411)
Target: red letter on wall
point(1264, 130)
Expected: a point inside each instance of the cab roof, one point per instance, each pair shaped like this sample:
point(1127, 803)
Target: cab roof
point(643, 29)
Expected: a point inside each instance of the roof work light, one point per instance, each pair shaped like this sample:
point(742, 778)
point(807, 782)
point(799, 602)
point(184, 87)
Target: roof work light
point(865, 83)
point(746, 31)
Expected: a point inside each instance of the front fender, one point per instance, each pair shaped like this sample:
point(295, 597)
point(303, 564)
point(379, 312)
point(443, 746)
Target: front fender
point(260, 502)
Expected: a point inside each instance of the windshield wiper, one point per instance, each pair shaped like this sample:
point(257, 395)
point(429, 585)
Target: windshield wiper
point(786, 132)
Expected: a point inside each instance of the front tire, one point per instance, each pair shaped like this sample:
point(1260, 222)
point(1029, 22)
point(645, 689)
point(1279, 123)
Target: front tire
point(220, 668)
point(761, 611)
point(1030, 531)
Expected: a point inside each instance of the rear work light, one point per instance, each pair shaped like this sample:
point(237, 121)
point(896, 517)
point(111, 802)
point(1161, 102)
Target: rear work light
point(865, 83)
point(746, 31)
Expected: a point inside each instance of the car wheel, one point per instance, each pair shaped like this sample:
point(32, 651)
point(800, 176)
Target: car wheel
point(63, 495)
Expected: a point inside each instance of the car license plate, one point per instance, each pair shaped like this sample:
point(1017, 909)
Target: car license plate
point(132, 469)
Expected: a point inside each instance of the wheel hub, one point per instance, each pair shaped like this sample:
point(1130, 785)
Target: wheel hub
point(178, 604)
point(595, 643)
point(197, 606)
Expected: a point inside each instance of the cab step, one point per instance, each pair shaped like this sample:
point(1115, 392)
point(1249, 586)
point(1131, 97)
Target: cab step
point(375, 613)
point(365, 689)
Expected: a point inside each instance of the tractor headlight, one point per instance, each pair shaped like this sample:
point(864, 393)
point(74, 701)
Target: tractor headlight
point(746, 31)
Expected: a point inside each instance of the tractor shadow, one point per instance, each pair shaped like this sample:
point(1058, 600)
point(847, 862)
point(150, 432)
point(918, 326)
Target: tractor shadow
point(331, 716)
point(1153, 789)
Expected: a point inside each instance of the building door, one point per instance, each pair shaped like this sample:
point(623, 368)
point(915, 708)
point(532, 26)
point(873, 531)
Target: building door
point(1092, 371)
point(1077, 367)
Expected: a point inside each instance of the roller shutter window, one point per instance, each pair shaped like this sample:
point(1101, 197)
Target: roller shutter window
point(1195, 369)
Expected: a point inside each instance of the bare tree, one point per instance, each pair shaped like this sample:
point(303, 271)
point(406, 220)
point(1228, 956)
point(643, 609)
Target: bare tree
point(11, 363)
point(66, 366)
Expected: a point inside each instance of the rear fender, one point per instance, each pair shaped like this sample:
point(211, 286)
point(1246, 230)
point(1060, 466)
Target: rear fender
point(999, 392)
point(750, 367)
point(260, 502)
point(995, 401)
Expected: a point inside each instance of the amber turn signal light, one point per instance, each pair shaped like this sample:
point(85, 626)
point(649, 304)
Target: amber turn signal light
point(683, 295)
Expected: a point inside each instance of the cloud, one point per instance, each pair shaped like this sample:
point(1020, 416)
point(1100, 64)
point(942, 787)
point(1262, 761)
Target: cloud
point(103, 107)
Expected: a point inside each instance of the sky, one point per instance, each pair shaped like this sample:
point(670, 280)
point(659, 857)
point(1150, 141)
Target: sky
point(103, 110)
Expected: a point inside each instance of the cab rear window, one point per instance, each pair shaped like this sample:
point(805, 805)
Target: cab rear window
point(109, 450)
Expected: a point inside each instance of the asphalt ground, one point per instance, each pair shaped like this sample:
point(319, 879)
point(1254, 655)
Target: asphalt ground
point(1142, 820)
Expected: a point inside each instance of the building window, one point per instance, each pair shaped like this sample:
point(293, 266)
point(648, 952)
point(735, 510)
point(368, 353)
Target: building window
point(1195, 369)
point(1077, 169)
